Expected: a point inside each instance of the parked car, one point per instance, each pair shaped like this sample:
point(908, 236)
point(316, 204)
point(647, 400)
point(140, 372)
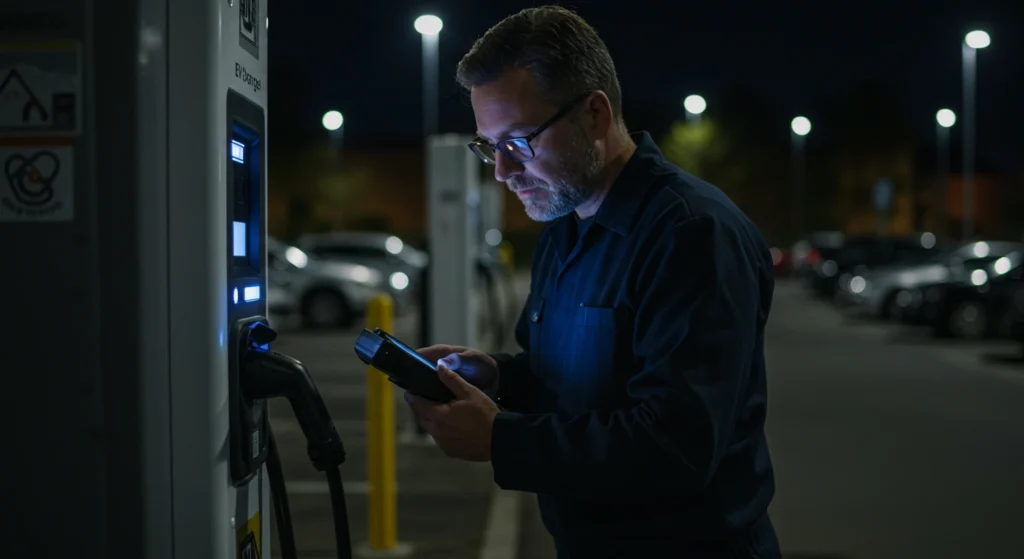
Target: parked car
point(1017, 329)
point(982, 305)
point(885, 291)
point(859, 254)
point(401, 264)
point(782, 261)
point(327, 294)
point(280, 300)
point(815, 249)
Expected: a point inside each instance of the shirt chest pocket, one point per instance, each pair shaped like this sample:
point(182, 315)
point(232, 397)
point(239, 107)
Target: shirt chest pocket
point(584, 355)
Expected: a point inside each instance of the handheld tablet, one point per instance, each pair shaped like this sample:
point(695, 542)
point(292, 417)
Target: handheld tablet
point(402, 364)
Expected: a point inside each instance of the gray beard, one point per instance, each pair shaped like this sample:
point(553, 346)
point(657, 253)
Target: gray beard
point(577, 182)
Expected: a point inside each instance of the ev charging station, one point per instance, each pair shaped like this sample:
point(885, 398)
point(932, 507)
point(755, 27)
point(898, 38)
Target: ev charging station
point(465, 214)
point(133, 266)
point(453, 204)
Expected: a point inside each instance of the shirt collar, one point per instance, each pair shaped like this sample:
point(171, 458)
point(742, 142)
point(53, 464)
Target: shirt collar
point(621, 206)
point(625, 198)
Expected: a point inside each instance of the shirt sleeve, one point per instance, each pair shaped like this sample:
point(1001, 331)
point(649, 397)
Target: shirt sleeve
point(695, 333)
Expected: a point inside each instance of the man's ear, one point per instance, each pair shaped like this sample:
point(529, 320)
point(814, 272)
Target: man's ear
point(599, 107)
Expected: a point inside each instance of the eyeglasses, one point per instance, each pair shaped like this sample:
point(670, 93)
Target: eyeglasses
point(519, 149)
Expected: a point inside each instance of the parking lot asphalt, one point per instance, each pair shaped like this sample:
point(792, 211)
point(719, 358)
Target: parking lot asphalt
point(886, 443)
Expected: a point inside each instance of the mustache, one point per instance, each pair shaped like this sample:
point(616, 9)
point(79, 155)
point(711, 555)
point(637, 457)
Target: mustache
point(516, 184)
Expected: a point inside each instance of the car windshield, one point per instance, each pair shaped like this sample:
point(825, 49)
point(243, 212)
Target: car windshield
point(941, 257)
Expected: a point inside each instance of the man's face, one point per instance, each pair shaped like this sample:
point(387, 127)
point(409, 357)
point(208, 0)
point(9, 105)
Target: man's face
point(565, 169)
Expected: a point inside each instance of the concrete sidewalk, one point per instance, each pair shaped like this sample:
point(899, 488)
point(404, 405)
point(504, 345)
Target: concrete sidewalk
point(446, 508)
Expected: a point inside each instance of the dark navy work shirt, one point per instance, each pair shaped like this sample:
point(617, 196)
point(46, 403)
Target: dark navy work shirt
point(637, 405)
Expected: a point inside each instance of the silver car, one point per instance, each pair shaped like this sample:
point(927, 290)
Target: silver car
point(883, 292)
point(326, 294)
point(400, 263)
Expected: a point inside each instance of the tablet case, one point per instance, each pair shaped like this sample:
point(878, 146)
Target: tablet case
point(402, 364)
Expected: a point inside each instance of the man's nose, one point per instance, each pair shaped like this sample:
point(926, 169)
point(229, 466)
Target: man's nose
point(504, 167)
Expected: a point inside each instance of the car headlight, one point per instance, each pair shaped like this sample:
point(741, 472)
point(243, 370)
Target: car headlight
point(858, 284)
point(398, 281)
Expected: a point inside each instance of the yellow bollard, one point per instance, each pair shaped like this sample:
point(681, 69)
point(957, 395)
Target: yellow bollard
point(507, 255)
point(380, 424)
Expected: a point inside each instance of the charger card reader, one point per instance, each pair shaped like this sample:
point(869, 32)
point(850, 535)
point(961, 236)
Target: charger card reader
point(402, 364)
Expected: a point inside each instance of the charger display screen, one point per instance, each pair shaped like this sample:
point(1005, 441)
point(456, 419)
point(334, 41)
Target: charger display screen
point(245, 189)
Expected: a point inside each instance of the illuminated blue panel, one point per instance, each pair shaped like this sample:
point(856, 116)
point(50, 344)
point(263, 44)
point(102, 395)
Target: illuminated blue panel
point(252, 293)
point(236, 296)
point(237, 151)
point(239, 238)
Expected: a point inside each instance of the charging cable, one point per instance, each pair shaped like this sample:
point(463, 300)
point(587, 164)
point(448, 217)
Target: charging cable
point(268, 374)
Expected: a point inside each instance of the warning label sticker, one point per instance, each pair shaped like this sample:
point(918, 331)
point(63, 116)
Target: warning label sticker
point(40, 89)
point(249, 539)
point(37, 183)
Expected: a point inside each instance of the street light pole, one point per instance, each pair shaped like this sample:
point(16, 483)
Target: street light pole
point(429, 27)
point(944, 120)
point(972, 42)
point(800, 127)
point(334, 123)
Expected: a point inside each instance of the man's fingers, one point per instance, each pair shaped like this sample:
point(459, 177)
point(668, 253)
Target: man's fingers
point(422, 407)
point(425, 424)
point(435, 352)
point(451, 361)
point(454, 381)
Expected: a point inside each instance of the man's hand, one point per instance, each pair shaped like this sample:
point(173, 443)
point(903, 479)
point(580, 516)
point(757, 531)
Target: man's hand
point(479, 368)
point(462, 427)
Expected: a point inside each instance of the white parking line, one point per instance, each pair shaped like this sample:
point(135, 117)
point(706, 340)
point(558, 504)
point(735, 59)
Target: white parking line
point(501, 538)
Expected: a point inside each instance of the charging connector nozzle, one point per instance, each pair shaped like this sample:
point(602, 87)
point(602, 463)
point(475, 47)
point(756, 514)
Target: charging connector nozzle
point(267, 374)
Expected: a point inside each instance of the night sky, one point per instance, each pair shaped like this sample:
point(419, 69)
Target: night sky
point(364, 59)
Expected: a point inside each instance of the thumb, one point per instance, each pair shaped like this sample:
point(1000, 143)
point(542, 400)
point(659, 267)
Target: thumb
point(452, 361)
point(454, 381)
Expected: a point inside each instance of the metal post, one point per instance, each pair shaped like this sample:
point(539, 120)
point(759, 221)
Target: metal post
point(430, 87)
point(942, 159)
point(380, 422)
point(970, 57)
point(799, 172)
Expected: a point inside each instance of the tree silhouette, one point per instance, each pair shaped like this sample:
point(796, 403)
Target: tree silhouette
point(740, 146)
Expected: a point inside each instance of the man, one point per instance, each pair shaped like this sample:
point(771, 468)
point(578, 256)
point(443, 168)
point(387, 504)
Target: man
point(636, 409)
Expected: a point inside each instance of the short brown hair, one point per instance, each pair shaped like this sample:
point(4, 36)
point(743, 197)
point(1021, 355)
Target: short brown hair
point(557, 46)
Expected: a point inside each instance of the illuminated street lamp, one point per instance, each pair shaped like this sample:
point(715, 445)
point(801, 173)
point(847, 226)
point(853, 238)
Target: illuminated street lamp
point(972, 42)
point(695, 105)
point(332, 120)
point(800, 127)
point(429, 27)
point(945, 118)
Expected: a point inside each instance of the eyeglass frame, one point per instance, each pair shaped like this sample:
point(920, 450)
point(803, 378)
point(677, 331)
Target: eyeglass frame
point(495, 147)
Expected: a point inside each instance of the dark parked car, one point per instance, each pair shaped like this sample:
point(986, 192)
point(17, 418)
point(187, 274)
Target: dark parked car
point(986, 304)
point(1017, 330)
point(859, 254)
point(815, 249)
